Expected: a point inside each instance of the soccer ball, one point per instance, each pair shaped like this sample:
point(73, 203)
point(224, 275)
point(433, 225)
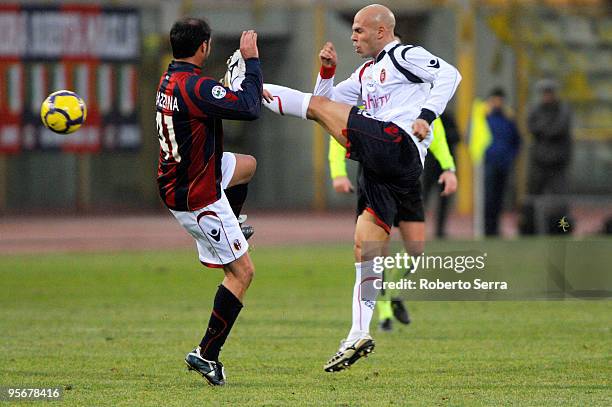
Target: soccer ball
point(63, 112)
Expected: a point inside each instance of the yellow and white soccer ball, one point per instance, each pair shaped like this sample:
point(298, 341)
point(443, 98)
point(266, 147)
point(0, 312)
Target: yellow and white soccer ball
point(63, 112)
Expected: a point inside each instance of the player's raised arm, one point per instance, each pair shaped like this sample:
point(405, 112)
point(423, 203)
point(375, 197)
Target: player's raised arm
point(220, 101)
point(346, 91)
point(325, 80)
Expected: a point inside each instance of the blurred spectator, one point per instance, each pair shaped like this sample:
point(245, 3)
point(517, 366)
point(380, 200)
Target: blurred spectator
point(499, 158)
point(550, 124)
point(433, 170)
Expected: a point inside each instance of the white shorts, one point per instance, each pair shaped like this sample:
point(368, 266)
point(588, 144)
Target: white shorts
point(228, 166)
point(215, 228)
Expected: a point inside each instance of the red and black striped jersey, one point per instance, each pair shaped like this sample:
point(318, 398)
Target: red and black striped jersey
point(190, 108)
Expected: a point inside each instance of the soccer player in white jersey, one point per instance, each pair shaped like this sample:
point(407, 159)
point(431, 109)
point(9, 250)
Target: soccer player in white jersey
point(410, 219)
point(404, 88)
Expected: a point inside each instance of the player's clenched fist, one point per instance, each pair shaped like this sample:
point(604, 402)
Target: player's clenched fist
point(420, 128)
point(248, 45)
point(328, 55)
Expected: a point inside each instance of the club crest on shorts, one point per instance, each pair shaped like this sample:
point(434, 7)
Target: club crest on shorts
point(383, 75)
point(237, 245)
point(218, 92)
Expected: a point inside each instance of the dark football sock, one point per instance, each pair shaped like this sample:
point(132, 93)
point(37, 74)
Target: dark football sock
point(236, 196)
point(225, 311)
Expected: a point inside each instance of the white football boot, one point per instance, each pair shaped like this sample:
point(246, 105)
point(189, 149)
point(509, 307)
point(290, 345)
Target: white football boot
point(349, 353)
point(236, 68)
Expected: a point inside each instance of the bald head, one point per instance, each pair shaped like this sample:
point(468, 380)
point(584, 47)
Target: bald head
point(373, 28)
point(379, 15)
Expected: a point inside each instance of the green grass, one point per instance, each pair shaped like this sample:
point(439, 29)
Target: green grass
point(113, 329)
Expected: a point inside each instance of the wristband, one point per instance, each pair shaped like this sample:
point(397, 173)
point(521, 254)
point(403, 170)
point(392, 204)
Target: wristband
point(327, 72)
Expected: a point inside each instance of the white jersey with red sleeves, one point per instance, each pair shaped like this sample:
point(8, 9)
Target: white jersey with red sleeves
point(403, 83)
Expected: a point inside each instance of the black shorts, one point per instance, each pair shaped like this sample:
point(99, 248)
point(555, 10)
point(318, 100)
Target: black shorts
point(412, 208)
point(390, 166)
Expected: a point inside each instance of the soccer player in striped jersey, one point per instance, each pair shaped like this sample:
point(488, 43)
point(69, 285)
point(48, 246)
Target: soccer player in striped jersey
point(190, 109)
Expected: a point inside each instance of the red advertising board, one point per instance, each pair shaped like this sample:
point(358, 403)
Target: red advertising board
point(91, 50)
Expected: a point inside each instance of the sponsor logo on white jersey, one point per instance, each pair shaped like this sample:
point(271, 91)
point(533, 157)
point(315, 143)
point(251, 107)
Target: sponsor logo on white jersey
point(376, 102)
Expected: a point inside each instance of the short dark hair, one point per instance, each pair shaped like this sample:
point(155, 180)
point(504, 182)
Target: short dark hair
point(498, 91)
point(186, 35)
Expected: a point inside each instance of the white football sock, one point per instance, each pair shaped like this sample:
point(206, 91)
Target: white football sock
point(362, 310)
point(287, 101)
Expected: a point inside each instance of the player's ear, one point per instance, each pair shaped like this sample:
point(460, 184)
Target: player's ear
point(206, 47)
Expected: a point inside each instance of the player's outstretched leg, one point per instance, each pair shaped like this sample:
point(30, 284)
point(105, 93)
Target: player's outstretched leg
point(227, 305)
point(358, 342)
point(333, 116)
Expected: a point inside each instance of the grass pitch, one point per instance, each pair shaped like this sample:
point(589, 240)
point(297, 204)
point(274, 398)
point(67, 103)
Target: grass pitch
point(113, 329)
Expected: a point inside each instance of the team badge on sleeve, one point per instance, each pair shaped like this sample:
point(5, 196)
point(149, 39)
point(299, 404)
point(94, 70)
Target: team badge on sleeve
point(218, 92)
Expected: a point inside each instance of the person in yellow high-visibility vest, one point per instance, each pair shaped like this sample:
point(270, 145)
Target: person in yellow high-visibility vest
point(411, 216)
